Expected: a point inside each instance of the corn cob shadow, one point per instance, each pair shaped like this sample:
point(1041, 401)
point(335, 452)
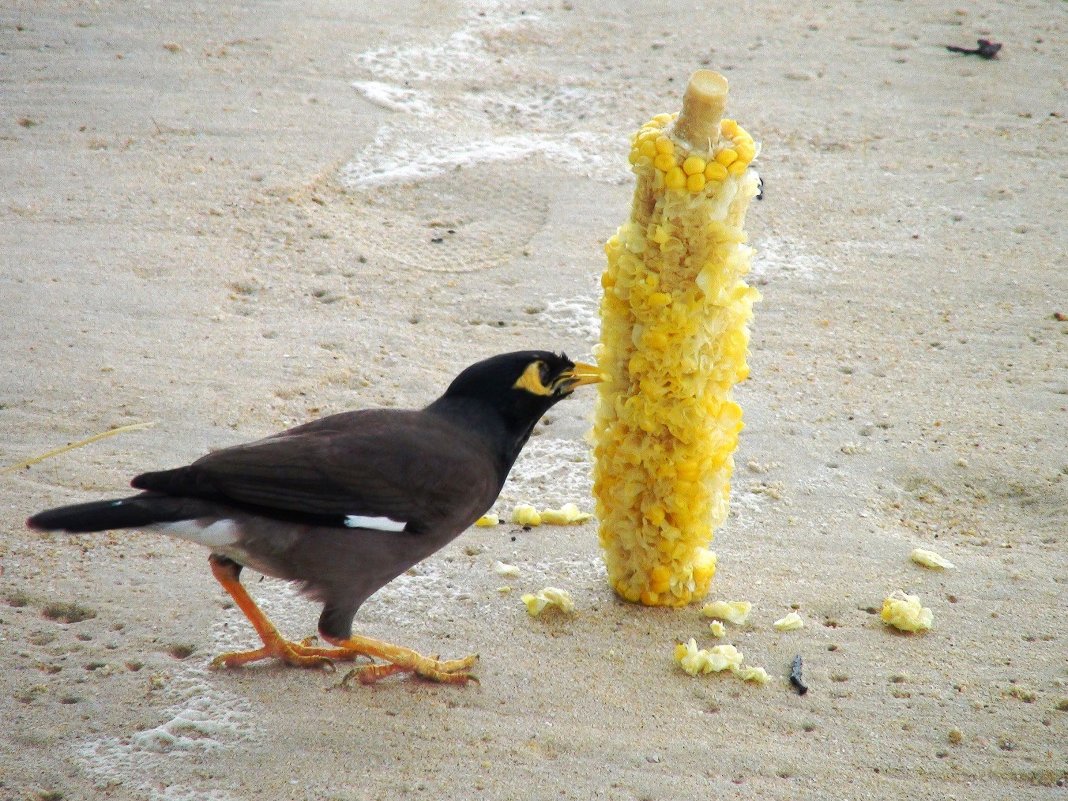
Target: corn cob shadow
point(673, 342)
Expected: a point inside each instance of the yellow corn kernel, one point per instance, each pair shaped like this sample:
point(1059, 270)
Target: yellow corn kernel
point(656, 340)
point(687, 470)
point(746, 152)
point(566, 515)
point(792, 622)
point(548, 598)
point(714, 171)
point(505, 570)
point(737, 168)
point(930, 559)
point(727, 156)
point(664, 162)
point(905, 612)
point(712, 660)
point(757, 675)
point(674, 338)
point(659, 299)
point(648, 149)
point(693, 165)
point(736, 612)
point(675, 178)
point(704, 568)
point(526, 515)
point(660, 578)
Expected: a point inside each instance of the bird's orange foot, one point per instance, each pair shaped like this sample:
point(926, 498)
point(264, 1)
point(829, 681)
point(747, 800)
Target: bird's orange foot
point(305, 654)
point(397, 659)
point(300, 654)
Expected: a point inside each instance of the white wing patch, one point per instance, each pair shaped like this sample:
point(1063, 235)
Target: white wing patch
point(214, 535)
point(377, 523)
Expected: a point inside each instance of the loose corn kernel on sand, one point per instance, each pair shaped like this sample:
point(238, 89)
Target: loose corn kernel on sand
point(707, 660)
point(695, 661)
point(548, 598)
point(905, 612)
point(567, 515)
point(717, 629)
point(526, 515)
point(505, 570)
point(931, 559)
point(757, 675)
point(673, 343)
point(736, 612)
point(792, 622)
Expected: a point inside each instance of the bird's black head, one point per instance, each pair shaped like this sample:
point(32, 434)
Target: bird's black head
point(505, 396)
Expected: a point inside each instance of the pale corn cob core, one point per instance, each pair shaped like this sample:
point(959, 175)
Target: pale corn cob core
point(674, 338)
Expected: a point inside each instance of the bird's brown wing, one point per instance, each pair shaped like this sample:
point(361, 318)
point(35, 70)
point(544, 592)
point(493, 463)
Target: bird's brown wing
point(408, 466)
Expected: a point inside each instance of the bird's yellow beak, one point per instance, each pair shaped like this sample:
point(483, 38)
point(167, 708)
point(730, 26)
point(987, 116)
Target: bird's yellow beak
point(580, 375)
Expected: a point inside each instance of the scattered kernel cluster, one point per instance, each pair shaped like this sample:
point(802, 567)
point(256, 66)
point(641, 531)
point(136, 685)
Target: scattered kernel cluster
point(673, 342)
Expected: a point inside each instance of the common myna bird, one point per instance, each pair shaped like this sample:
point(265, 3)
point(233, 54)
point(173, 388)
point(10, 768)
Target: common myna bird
point(344, 504)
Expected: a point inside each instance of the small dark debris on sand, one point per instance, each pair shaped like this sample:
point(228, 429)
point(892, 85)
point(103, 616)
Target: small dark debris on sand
point(795, 676)
point(986, 49)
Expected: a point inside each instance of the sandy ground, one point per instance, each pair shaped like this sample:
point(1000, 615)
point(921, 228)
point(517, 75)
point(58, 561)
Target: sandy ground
point(220, 218)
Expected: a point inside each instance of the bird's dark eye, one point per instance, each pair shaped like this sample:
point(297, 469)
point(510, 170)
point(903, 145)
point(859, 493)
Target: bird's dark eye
point(544, 373)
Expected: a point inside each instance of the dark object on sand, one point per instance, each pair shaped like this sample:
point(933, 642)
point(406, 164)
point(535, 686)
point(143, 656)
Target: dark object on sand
point(795, 676)
point(986, 49)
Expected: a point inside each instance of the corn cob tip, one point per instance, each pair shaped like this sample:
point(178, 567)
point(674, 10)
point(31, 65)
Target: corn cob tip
point(702, 109)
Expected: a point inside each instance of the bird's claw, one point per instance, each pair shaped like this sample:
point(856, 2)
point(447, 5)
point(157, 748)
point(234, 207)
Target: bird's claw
point(453, 671)
point(300, 654)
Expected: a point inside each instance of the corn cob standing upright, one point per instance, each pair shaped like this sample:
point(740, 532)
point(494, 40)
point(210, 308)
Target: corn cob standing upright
point(673, 343)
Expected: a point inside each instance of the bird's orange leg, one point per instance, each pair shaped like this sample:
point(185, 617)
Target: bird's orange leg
point(398, 659)
point(302, 654)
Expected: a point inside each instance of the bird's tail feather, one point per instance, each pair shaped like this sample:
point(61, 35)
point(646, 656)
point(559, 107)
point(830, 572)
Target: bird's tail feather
point(137, 511)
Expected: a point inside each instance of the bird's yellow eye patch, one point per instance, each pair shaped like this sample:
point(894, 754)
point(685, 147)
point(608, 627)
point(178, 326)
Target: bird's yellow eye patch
point(532, 381)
